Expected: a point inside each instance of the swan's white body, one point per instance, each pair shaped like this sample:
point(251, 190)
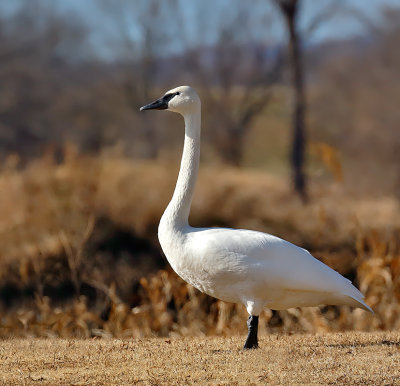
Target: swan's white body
point(236, 265)
point(253, 268)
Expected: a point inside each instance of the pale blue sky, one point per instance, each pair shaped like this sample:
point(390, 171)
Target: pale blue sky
point(102, 29)
point(333, 29)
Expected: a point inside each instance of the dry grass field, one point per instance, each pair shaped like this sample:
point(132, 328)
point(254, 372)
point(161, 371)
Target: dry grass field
point(343, 358)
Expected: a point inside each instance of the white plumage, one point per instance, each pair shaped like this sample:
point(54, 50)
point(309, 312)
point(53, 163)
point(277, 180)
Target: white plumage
point(236, 265)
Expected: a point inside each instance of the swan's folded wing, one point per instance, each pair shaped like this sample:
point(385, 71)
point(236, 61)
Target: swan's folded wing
point(273, 263)
point(295, 269)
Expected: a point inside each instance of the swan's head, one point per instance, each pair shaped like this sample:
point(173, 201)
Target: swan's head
point(182, 100)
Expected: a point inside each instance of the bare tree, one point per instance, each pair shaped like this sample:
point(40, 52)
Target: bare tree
point(290, 12)
point(230, 66)
point(235, 74)
point(34, 68)
point(140, 52)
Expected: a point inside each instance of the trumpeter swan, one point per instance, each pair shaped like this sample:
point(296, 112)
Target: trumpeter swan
point(236, 265)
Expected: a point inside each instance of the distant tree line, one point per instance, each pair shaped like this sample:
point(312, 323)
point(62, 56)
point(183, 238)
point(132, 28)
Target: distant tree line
point(58, 84)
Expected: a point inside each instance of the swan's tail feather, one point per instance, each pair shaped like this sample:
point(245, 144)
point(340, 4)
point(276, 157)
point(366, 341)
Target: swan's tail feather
point(356, 298)
point(361, 304)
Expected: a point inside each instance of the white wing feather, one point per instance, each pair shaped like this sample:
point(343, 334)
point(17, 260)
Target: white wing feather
point(243, 265)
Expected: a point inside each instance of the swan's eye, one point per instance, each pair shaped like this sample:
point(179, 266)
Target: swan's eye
point(177, 93)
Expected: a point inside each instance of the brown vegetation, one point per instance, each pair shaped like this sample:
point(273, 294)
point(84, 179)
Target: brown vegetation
point(349, 358)
point(79, 254)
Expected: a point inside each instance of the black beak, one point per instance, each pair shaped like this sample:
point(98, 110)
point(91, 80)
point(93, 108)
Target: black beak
point(159, 104)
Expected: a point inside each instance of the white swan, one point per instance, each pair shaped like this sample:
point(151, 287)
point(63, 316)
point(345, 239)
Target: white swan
point(236, 265)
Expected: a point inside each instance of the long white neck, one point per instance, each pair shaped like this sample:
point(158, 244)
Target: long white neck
point(177, 212)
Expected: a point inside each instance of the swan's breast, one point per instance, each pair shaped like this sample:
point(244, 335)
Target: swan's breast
point(205, 265)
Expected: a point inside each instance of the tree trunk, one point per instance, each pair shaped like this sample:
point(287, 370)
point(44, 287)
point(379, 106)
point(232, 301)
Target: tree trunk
point(290, 11)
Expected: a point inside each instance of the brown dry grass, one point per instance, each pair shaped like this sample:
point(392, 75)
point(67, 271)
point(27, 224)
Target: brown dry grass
point(349, 358)
point(46, 203)
point(48, 212)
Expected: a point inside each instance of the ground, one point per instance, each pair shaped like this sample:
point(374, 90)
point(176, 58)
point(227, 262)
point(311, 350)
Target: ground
point(345, 358)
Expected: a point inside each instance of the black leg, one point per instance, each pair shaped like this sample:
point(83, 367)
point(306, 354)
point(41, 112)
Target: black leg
point(252, 340)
